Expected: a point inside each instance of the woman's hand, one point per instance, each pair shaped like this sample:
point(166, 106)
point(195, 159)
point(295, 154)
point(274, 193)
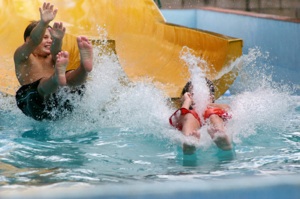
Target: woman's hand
point(187, 100)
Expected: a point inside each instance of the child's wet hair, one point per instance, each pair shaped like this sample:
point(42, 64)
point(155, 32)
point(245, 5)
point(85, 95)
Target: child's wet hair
point(209, 83)
point(30, 27)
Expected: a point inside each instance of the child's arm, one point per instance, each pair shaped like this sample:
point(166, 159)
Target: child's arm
point(57, 33)
point(187, 100)
point(36, 36)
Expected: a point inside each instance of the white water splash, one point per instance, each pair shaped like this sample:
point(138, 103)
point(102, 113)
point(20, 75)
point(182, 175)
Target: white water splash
point(261, 103)
point(112, 101)
point(197, 68)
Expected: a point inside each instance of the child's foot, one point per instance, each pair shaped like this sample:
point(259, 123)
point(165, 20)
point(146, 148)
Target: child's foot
point(86, 53)
point(62, 60)
point(188, 149)
point(222, 141)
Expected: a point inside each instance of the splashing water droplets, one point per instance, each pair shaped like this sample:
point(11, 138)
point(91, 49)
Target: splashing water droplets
point(113, 101)
point(197, 68)
point(260, 103)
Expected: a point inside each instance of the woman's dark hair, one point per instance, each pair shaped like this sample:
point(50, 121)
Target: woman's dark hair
point(209, 83)
point(29, 28)
point(186, 88)
point(211, 87)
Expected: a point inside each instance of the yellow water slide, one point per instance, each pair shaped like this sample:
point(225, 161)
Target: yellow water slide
point(146, 46)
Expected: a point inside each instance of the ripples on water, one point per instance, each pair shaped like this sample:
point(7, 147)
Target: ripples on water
point(120, 133)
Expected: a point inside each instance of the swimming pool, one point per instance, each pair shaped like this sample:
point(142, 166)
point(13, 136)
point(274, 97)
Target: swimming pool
point(118, 143)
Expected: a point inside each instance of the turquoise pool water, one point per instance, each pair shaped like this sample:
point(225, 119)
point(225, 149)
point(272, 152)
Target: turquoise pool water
point(118, 143)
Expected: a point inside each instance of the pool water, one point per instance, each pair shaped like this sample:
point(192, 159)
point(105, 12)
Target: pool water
point(118, 140)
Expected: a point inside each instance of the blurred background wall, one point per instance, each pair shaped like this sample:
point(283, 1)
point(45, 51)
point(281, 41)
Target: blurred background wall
point(275, 35)
point(288, 8)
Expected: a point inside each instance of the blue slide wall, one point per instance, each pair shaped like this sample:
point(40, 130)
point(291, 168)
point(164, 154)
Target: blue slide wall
point(281, 39)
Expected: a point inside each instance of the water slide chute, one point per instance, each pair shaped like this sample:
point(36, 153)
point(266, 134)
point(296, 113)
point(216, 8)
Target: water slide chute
point(146, 46)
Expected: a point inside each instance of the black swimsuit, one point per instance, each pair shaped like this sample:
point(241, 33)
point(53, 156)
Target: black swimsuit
point(53, 107)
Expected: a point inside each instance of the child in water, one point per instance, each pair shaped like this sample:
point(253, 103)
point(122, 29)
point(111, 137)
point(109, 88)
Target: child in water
point(188, 121)
point(40, 66)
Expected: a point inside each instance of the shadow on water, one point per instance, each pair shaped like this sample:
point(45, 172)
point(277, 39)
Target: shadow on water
point(41, 135)
point(211, 158)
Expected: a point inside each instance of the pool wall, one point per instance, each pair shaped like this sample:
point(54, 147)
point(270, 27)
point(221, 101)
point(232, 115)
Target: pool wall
point(279, 36)
point(246, 188)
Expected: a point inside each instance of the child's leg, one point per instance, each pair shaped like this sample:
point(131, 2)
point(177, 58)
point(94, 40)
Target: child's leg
point(190, 125)
point(78, 76)
point(217, 132)
point(50, 85)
